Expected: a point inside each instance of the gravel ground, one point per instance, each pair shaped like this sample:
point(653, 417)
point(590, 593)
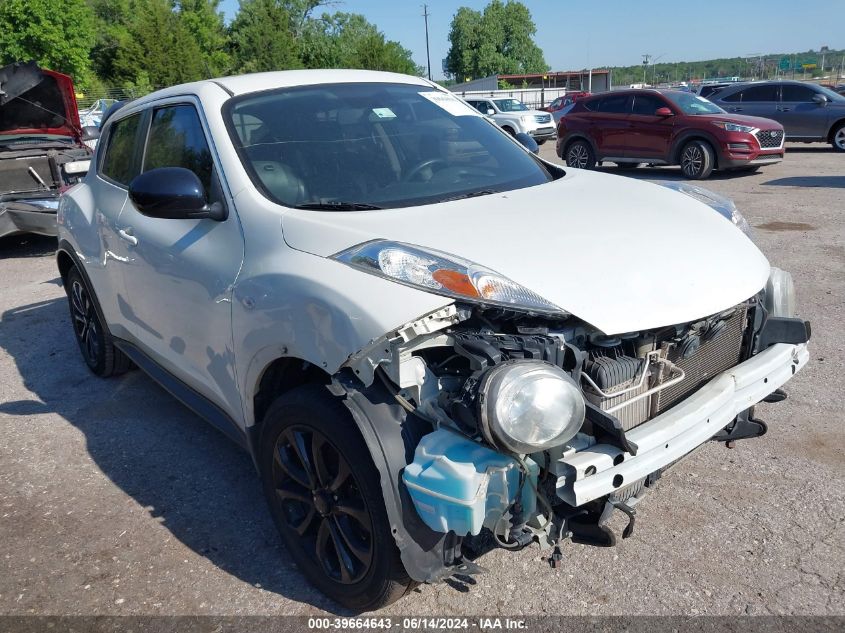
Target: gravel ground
point(114, 499)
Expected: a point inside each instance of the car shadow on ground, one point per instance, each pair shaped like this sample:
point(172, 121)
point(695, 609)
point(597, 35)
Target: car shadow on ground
point(194, 481)
point(21, 246)
point(668, 173)
point(809, 181)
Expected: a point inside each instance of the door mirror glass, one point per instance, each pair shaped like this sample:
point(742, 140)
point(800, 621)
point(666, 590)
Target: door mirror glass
point(528, 142)
point(173, 193)
point(664, 111)
point(90, 132)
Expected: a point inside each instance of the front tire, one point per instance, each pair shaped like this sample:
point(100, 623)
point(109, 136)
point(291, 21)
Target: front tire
point(95, 342)
point(837, 138)
point(325, 496)
point(697, 160)
point(579, 154)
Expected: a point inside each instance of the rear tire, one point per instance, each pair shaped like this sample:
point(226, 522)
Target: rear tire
point(697, 160)
point(579, 154)
point(325, 496)
point(837, 138)
point(92, 336)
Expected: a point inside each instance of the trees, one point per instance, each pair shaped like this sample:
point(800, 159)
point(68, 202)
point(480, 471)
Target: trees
point(262, 37)
point(58, 39)
point(498, 40)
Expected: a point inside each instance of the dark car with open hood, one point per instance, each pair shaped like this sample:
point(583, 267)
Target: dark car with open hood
point(42, 149)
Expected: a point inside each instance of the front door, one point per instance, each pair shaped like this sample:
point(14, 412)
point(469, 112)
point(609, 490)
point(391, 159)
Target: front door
point(649, 135)
point(180, 275)
point(800, 115)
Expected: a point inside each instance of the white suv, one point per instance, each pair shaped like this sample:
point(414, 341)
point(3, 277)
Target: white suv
point(515, 117)
point(419, 330)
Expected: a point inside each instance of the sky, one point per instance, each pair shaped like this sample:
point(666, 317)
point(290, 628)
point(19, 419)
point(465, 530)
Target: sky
point(577, 34)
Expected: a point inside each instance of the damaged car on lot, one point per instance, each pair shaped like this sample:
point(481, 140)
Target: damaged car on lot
point(42, 152)
point(430, 340)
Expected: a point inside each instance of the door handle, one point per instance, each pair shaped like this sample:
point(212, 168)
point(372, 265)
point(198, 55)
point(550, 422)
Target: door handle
point(736, 109)
point(784, 109)
point(126, 236)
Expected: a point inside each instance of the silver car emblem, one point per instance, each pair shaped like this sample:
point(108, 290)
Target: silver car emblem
point(773, 133)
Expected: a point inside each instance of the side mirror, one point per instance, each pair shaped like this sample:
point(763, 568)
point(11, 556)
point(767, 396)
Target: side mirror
point(820, 99)
point(173, 193)
point(490, 112)
point(90, 132)
point(528, 142)
point(664, 111)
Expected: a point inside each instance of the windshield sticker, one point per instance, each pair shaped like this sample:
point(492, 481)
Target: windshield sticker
point(450, 103)
point(384, 113)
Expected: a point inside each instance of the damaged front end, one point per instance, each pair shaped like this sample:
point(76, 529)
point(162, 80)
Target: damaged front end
point(498, 427)
point(42, 152)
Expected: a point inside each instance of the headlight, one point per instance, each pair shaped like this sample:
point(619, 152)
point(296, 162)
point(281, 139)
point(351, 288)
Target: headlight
point(77, 167)
point(529, 406)
point(780, 294)
point(443, 274)
point(735, 127)
point(722, 205)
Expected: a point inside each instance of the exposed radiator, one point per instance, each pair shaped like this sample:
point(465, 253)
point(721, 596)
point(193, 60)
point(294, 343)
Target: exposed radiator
point(672, 371)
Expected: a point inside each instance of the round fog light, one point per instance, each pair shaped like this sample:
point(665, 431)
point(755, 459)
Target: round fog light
point(528, 406)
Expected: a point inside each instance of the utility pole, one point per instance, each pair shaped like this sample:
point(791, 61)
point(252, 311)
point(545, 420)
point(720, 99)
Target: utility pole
point(646, 57)
point(427, 54)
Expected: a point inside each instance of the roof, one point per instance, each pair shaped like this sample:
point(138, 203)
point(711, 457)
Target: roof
point(242, 84)
point(556, 73)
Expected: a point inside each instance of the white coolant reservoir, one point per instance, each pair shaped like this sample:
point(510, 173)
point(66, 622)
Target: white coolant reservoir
point(459, 485)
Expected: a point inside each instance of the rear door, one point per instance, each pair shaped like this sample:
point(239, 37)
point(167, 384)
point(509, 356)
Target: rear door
point(649, 135)
point(609, 120)
point(754, 100)
point(800, 115)
point(181, 273)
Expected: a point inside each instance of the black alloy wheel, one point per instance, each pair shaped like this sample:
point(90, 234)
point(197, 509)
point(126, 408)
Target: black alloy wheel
point(697, 160)
point(580, 155)
point(322, 503)
point(95, 342)
point(325, 495)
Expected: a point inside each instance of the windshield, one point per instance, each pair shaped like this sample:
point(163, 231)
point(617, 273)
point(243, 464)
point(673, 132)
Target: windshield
point(692, 104)
point(510, 105)
point(373, 145)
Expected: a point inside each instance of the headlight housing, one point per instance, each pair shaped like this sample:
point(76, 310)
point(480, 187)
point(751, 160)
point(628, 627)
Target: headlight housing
point(722, 205)
point(735, 127)
point(443, 274)
point(526, 406)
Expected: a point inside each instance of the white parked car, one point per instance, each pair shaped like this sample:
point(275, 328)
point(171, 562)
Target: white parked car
point(419, 330)
point(514, 117)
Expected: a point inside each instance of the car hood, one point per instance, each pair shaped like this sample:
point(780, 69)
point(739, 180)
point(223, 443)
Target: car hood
point(622, 254)
point(743, 119)
point(37, 101)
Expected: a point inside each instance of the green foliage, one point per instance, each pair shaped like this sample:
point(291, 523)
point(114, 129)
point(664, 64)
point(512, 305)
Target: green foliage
point(57, 37)
point(498, 40)
point(263, 38)
point(139, 45)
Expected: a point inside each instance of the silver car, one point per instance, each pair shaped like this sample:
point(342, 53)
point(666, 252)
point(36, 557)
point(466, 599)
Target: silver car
point(808, 112)
point(423, 334)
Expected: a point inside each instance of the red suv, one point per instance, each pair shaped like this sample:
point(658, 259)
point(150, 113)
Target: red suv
point(665, 127)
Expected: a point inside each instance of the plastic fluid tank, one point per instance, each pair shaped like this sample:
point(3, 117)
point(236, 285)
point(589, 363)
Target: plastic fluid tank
point(459, 485)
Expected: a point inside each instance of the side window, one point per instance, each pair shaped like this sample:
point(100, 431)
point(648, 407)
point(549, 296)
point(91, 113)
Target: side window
point(791, 92)
point(177, 140)
point(755, 94)
point(616, 104)
point(647, 104)
point(120, 161)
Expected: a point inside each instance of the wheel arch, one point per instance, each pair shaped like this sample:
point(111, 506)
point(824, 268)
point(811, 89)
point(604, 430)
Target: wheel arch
point(834, 127)
point(579, 136)
point(66, 259)
point(695, 135)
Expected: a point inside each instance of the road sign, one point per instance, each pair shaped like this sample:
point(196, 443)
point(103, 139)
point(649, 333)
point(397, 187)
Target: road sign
point(784, 63)
point(808, 66)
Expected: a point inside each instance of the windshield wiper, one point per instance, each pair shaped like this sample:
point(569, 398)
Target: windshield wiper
point(471, 194)
point(338, 206)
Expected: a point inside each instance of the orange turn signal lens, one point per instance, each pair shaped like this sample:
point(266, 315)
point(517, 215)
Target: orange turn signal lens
point(454, 281)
